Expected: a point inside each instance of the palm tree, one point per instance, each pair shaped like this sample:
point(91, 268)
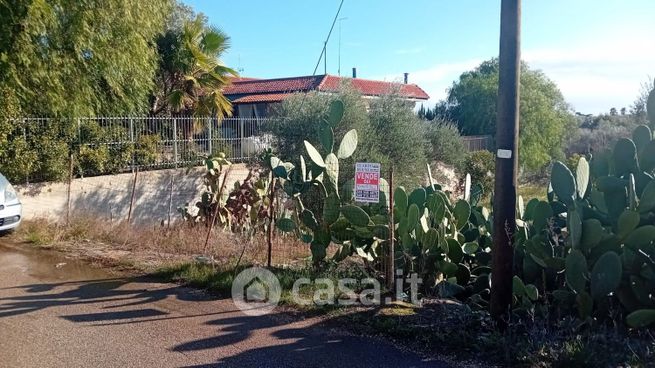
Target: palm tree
point(192, 76)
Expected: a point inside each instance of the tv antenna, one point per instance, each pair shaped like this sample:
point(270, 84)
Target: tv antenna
point(339, 67)
point(324, 51)
point(239, 68)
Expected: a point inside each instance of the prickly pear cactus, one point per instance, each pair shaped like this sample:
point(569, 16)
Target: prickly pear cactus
point(597, 230)
point(348, 226)
point(447, 242)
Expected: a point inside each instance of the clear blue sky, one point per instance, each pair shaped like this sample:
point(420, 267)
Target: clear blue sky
point(597, 51)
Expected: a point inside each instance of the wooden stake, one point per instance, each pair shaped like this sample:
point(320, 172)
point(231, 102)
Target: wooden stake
point(391, 272)
point(129, 213)
point(430, 178)
point(271, 223)
point(170, 202)
point(218, 205)
point(68, 190)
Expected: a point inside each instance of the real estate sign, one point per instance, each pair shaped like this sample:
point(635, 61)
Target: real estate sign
point(367, 182)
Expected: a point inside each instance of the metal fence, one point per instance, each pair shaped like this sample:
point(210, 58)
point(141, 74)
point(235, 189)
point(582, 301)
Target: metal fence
point(48, 149)
point(102, 145)
point(478, 142)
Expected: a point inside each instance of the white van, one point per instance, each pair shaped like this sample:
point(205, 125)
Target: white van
point(10, 206)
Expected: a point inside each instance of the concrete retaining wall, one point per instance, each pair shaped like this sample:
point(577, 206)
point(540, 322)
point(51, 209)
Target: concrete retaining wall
point(109, 196)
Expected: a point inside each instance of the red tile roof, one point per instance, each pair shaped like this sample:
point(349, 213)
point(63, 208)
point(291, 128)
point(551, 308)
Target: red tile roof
point(296, 84)
point(253, 90)
point(374, 88)
point(262, 97)
point(242, 79)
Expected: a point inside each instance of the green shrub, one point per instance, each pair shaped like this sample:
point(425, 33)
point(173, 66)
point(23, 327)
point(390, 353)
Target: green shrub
point(600, 132)
point(9, 108)
point(93, 156)
point(106, 149)
point(32, 149)
point(17, 159)
point(121, 150)
point(572, 161)
point(389, 132)
point(300, 117)
point(223, 146)
point(50, 141)
point(399, 134)
point(445, 143)
point(92, 160)
point(481, 165)
point(147, 149)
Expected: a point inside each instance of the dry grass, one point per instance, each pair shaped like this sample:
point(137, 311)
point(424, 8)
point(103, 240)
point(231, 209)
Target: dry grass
point(179, 242)
point(529, 191)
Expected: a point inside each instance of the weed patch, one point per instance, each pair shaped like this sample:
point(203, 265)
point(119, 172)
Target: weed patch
point(161, 243)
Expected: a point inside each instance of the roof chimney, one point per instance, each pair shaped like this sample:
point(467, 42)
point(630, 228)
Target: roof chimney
point(354, 72)
point(406, 77)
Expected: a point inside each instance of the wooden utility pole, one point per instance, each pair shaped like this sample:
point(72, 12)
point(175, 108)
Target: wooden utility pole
point(507, 133)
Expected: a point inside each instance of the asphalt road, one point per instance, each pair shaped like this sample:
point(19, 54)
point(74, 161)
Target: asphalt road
point(73, 315)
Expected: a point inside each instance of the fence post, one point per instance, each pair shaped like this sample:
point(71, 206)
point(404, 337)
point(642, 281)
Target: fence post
point(209, 135)
point(27, 174)
point(175, 141)
point(79, 144)
point(133, 142)
point(68, 189)
point(241, 129)
point(391, 272)
point(79, 131)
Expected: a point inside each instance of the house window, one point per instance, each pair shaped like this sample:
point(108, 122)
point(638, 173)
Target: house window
point(260, 110)
point(246, 111)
